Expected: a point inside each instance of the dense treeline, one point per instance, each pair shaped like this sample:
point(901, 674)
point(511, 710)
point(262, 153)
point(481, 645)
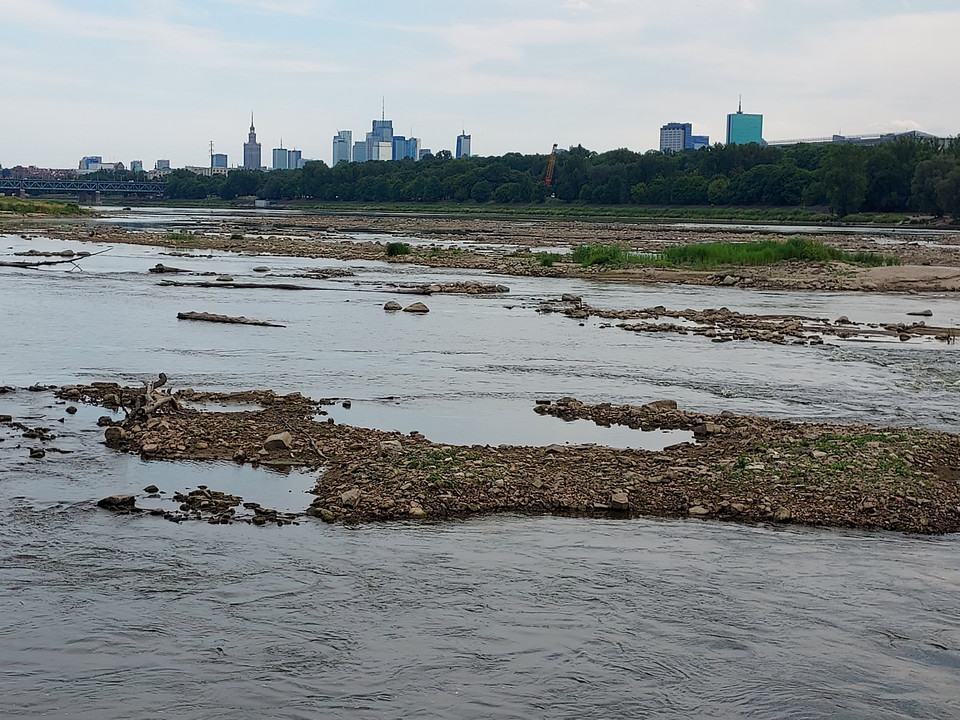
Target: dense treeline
point(907, 175)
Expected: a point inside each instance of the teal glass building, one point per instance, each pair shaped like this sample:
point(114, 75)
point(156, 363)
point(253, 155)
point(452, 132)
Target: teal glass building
point(744, 128)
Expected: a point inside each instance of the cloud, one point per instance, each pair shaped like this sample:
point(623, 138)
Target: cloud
point(302, 8)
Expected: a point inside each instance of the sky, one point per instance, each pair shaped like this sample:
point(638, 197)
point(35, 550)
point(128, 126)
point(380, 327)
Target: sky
point(149, 79)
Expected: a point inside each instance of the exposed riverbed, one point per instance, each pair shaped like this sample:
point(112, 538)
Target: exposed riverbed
point(510, 616)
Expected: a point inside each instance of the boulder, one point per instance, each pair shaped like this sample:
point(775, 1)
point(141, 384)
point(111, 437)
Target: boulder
point(261, 269)
point(280, 441)
point(118, 503)
point(619, 501)
point(417, 307)
point(114, 435)
point(392, 306)
point(698, 511)
point(571, 298)
point(661, 405)
point(224, 278)
point(351, 497)
point(37, 453)
point(391, 447)
point(921, 313)
point(151, 489)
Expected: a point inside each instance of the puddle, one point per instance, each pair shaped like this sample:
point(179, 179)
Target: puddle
point(492, 421)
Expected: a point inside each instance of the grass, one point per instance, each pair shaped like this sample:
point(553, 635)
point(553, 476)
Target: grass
point(397, 248)
point(706, 256)
point(179, 237)
point(29, 206)
point(548, 259)
point(588, 255)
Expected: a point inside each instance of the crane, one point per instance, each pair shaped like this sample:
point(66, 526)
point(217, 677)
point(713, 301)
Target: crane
point(551, 164)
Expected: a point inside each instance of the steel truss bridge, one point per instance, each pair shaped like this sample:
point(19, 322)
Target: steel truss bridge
point(80, 187)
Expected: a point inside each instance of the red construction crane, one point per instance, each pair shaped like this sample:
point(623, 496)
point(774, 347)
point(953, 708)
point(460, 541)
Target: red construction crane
point(551, 164)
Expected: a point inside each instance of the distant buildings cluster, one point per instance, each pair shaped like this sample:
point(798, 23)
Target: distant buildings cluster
point(381, 144)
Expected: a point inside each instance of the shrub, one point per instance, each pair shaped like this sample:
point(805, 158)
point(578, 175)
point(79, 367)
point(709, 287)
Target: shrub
point(397, 248)
point(588, 255)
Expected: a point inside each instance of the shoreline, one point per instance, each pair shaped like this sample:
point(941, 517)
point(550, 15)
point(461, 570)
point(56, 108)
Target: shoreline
point(932, 265)
point(741, 468)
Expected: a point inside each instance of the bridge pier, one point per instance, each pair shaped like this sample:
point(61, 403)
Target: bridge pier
point(89, 197)
point(22, 194)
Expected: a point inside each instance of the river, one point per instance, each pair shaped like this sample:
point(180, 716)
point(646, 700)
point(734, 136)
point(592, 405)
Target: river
point(495, 617)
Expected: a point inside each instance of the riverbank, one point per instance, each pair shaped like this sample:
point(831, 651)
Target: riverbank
point(514, 247)
point(742, 468)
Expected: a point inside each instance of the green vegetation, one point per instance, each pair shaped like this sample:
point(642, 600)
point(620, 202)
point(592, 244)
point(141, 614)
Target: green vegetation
point(30, 206)
point(588, 255)
point(397, 248)
point(179, 237)
point(548, 259)
point(764, 252)
point(737, 183)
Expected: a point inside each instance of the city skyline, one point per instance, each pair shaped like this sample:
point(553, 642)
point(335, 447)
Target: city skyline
point(163, 80)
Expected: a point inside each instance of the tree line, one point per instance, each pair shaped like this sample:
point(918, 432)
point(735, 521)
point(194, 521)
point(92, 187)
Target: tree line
point(908, 174)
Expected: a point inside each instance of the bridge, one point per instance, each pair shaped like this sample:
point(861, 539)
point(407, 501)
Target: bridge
point(87, 190)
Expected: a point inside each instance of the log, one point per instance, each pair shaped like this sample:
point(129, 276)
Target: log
point(211, 317)
point(242, 285)
point(73, 260)
point(161, 268)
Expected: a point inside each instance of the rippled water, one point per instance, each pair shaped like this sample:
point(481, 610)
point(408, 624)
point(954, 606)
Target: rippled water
point(495, 617)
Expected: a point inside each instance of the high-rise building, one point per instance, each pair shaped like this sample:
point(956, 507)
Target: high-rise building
point(744, 128)
point(673, 136)
point(294, 159)
point(162, 165)
point(423, 153)
point(380, 135)
point(360, 151)
point(136, 166)
point(342, 147)
point(463, 144)
point(251, 149)
point(697, 142)
point(404, 147)
point(281, 158)
point(218, 160)
point(89, 161)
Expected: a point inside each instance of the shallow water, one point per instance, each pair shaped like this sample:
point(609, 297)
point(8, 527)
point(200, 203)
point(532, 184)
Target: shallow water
point(496, 617)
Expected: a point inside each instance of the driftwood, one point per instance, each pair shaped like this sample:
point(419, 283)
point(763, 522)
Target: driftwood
point(242, 285)
point(151, 400)
point(211, 317)
point(73, 260)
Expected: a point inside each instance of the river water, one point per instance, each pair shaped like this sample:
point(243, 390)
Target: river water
point(495, 617)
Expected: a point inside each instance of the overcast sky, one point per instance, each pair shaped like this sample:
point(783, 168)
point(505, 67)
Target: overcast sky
point(138, 79)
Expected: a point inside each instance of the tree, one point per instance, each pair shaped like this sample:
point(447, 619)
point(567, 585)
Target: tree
point(844, 178)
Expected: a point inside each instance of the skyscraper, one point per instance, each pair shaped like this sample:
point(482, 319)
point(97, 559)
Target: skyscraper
point(380, 140)
point(251, 149)
point(743, 128)
point(463, 144)
point(281, 158)
point(343, 147)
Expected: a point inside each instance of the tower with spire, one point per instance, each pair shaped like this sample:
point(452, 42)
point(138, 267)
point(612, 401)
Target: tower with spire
point(744, 128)
point(251, 149)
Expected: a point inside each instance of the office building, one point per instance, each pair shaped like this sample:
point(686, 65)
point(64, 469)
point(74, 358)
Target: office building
point(744, 128)
point(281, 158)
point(162, 165)
point(380, 140)
point(136, 166)
point(360, 151)
point(404, 147)
point(218, 160)
point(89, 161)
point(342, 147)
point(463, 144)
point(251, 149)
point(673, 136)
point(423, 153)
point(294, 159)
point(697, 142)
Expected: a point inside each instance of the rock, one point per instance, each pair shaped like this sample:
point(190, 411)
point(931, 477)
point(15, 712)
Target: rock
point(416, 510)
point(706, 429)
point(151, 489)
point(392, 306)
point(280, 441)
point(118, 503)
point(391, 447)
point(149, 449)
point(261, 269)
point(729, 280)
point(782, 515)
point(620, 501)
point(37, 453)
point(571, 298)
point(842, 320)
point(6, 418)
point(351, 497)
point(346, 404)
point(224, 278)
point(922, 313)
point(114, 435)
point(661, 405)
point(417, 307)
point(71, 410)
point(698, 511)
